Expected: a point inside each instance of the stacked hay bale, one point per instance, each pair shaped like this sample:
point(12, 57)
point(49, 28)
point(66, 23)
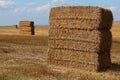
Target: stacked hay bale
point(80, 37)
point(15, 26)
point(26, 27)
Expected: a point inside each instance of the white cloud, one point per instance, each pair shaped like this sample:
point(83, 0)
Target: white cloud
point(29, 7)
point(59, 2)
point(34, 7)
point(20, 9)
point(54, 1)
point(6, 4)
point(31, 4)
point(44, 7)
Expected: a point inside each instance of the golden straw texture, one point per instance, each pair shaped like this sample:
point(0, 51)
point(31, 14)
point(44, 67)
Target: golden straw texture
point(80, 37)
point(26, 27)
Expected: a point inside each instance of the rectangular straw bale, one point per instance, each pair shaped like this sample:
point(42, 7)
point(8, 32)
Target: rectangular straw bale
point(81, 17)
point(74, 64)
point(26, 23)
point(15, 26)
point(27, 30)
point(84, 66)
point(24, 32)
point(62, 63)
point(80, 24)
point(73, 55)
point(26, 27)
point(80, 45)
point(91, 61)
point(80, 35)
point(74, 11)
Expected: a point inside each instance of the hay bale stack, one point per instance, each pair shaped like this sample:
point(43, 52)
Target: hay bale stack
point(80, 37)
point(26, 27)
point(15, 26)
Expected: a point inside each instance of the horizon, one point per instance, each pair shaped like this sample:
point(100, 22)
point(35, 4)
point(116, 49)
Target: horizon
point(13, 11)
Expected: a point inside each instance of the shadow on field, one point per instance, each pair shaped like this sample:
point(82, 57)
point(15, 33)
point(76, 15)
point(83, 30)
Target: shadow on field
point(115, 67)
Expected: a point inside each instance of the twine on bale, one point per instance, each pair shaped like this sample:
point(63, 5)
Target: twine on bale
point(80, 37)
point(26, 27)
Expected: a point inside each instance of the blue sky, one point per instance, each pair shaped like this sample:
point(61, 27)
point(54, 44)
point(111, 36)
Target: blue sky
point(12, 11)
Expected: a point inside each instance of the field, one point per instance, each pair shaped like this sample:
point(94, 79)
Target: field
point(10, 30)
point(25, 58)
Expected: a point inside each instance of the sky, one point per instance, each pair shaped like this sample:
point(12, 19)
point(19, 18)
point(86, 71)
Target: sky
point(12, 11)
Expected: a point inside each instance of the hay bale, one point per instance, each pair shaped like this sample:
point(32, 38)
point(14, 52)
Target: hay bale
point(26, 23)
point(86, 17)
point(80, 37)
point(73, 55)
point(80, 45)
point(26, 27)
point(90, 59)
point(15, 26)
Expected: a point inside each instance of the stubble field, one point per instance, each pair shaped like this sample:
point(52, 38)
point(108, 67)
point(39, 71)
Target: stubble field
point(25, 58)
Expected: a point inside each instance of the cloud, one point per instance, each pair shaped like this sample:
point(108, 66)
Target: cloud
point(33, 7)
point(20, 10)
point(44, 7)
point(6, 4)
point(29, 7)
point(54, 1)
point(59, 2)
point(31, 4)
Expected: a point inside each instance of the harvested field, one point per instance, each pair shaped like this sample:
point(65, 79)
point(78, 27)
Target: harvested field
point(10, 30)
point(22, 58)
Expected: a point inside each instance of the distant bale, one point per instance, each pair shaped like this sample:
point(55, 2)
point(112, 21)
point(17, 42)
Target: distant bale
point(80, 37)
point(26, 27)
point(26, 23)
point(15, 26)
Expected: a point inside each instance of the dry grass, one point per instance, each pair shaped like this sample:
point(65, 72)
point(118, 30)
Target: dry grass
point(8, 30)
point(21, 55)
point(24, 58)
